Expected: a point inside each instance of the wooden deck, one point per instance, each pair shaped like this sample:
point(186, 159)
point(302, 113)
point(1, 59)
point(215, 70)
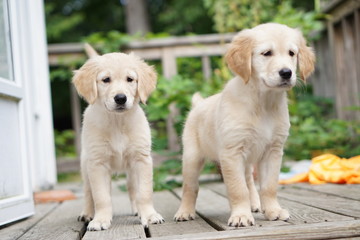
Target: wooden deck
point(317, 212)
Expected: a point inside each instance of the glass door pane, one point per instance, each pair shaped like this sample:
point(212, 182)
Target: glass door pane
point(10, 157)
point(6, 70)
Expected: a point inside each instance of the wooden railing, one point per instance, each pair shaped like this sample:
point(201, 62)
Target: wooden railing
point(338, 58)
point(164, 49)
point(167, 50)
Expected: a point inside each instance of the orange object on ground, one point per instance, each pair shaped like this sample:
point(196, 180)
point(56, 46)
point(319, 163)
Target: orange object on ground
point(53, 196)
point(329, 168)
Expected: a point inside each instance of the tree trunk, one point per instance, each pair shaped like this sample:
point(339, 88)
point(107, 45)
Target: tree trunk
point(137, 18)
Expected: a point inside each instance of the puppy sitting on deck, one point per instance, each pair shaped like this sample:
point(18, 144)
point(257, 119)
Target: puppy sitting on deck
point(115, 135)
point(247, 123)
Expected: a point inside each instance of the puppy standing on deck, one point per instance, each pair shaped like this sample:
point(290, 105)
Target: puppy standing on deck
point(115, 135)
point(247, 123)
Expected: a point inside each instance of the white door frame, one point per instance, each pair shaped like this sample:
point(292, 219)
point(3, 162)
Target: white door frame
point(43, 162)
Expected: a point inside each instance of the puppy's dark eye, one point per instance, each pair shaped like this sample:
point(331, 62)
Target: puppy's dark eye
point(267, 53)
point(291, 53)
point(106, 80)
point(129, 79)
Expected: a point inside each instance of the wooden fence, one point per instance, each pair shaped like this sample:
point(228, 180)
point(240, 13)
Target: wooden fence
point(338, 58)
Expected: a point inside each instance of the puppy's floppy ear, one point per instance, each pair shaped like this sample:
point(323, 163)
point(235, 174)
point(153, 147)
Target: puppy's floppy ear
point(147, 78)
point(238, 56)
point(306, 59)
point(85, 81)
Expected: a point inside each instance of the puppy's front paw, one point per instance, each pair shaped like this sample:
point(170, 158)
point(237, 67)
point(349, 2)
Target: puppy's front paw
point(241, 220)
point(154, 218)
point(277, 214)
point(99, 224)
point(184, 215)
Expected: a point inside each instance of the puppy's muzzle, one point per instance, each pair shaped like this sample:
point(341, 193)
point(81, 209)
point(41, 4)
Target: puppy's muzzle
point(120, 99)
point(285, 74)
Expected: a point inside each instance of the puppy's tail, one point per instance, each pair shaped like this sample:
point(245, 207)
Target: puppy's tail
point(90, 51)
point(196, 99)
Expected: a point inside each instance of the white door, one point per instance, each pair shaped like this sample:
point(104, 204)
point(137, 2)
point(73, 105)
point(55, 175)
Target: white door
point(16, 200)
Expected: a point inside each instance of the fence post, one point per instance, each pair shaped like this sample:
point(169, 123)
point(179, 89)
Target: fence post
point(168, 61)
point(206, 67)
point(76, 118)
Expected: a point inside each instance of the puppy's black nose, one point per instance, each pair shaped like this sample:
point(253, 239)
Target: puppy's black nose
point(285, 73)
point(120, 98)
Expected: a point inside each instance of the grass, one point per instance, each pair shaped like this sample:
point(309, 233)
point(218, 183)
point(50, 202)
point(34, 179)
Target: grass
point(69, 177)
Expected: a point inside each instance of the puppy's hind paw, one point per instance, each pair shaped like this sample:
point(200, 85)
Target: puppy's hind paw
point(255, 208)
point(277, 214)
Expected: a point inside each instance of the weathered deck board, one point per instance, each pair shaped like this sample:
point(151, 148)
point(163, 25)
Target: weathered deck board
point(351, 191)
point(124, 225)
point(59, 224)
point(167, 204)
point(323, 201)
point(317, 212)
point(327, 230)
point(16, 230)
point(305, 214)
point(299, 213)
point(216, 210)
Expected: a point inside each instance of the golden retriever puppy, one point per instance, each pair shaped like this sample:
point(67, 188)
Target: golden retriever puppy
point(247, 123)
point(115, 135)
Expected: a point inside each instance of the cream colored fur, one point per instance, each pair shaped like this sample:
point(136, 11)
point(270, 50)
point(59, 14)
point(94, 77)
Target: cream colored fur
point(115, 137)
point(247, 123)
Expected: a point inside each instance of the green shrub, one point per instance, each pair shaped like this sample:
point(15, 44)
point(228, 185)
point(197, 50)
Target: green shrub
point(314, 130)
point(178, 90)
point(65, 143)
point(236, 15)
